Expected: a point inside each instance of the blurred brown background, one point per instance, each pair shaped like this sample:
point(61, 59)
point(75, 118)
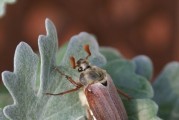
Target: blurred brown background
point(134, 27)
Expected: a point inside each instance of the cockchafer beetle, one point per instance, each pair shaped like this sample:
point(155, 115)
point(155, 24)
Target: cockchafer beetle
point(99, 94)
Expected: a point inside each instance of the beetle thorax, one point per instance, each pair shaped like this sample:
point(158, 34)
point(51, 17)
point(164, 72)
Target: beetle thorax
point(92, 75)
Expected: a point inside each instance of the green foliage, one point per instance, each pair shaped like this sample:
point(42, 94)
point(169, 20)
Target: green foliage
point(3, 4)
point(146, 109)
point(143, 66)
point(166, 88)
point(110, 53)
point(124, 76)
point(30, 102)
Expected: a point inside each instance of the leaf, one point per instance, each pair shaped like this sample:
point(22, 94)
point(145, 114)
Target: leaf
point(123, 74)
point(32, 104)
point(3, 4)
point(61, 52)
point(21, 82)
point(77, 42)
point(166, 87)
point(143, 66)
point(2, 117)
point(149, 107)
point(141, 109)
point(175, 111)
point(110, 53)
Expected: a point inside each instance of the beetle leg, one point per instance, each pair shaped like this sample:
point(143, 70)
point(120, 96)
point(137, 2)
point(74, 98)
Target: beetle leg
point(124, 94)
point(76, 84)
point(68, 77)
point(65, 92)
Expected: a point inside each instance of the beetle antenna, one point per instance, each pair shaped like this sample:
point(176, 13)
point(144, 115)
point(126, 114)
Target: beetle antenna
point(86, 48)
point(72, 62)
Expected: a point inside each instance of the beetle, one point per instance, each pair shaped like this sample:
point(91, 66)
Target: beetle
point(99, 94)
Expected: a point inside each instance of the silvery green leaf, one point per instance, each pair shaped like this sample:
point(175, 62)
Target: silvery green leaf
point(109, 53)
point(61, 52)
point(31, 103)
point(123, 74)
point(82, 118)
point(77, 42)
point(143, 66)
point(3, 5)
point(20, 83)
point(2, 117)
point(166, 88)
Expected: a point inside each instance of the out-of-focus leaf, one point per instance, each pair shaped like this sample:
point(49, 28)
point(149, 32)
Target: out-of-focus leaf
point(143, 66)
point(3, 5)
point(166, 88)
point(174, 113)
point(110, 53)
point(125, 78)
point(141, 109)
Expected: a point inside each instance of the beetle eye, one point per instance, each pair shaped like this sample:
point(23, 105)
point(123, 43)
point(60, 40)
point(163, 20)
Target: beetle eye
point(80, 69)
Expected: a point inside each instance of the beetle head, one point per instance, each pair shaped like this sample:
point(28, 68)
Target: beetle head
point(81, 64)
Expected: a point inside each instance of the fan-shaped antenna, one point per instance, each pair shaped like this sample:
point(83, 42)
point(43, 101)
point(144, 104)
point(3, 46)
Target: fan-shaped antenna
point(86, 48)
point(72, 62)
